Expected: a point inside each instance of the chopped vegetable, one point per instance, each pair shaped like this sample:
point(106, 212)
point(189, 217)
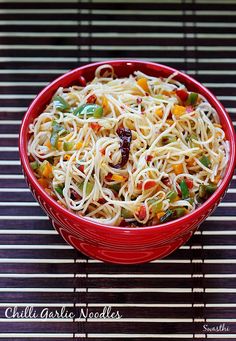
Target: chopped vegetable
point(166, 216)
point(142, 82)
point(155, 206)
point(178, 110)
point(95, 126)
point(56, 128)
point(205, 161)
point(192, 98)
point(78, 145)
point(108, 177)
point(205, 191)
point(67, 146)
point(67, 157)
point(104, 103)
point(126, 137)
point(117, 177)
point(142, 212)
point(59, 189)
point(92, 98)
point(81, 168)
point(89, 110)
point(45, 169)
point(170, 122)
point(184, 189)
point(149, 158)
point(115, 187)
point(176, 199)
point(47, 143)
point(149, 184)
point(126, 213)
point(159, 112)
point(190, 161)
point(160, 215)
point(202, 191)
point(43, 182)
point(168, 139)
point(210, 189)
point(140, 185)
point(34, 165)
point(179, 212)
point(59, 145)
point(102, 201)
point(166, 181)
point(171, 195)
point(182, 94)
point(189, 183)
point(89, 187)
point(178, 169)
point(60, 103)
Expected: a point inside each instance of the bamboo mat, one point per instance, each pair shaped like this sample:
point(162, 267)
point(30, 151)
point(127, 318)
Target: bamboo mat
point(183, 297)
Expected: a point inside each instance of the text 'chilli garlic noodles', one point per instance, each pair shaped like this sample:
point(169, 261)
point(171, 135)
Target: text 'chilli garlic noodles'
point(133, 151)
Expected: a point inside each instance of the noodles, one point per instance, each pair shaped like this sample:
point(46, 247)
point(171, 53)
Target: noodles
point(132, 151)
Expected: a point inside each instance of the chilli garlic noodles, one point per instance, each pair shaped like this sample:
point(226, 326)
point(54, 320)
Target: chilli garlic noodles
point(132, 151)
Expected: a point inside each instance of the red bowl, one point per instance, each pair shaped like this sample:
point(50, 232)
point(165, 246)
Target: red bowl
point(122, 244)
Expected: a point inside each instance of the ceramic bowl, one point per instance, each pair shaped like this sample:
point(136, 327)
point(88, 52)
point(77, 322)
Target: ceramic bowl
point(122, 244)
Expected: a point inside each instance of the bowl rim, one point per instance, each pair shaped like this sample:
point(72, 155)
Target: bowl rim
point(200, 211)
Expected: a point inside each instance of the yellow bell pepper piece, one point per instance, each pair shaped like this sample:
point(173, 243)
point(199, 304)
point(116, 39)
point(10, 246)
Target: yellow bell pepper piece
point(59, 145)
point(47, 143)
point(43, 182)
point(142, 82)
point(178, 110)
point(170, 122)
point(178, 169)
point(160, 214)
point(67, 157)
point(78, 145)
point(117, 177)
point(159, 112)
point(45, 169)
point(176, 199)
point(190, 161)
point(104, 103)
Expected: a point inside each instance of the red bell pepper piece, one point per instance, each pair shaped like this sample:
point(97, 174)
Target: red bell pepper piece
point(102, 201)
point(140, 185)
point(92, 99)
point(142, 212)
point(182, 94)
point(95, 126)
point(189, 183)
point(81, 168)
point(149, 158)
point(149, 184)
point(108, 177)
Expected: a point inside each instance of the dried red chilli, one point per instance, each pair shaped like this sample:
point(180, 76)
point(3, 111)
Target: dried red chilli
point(125, 136)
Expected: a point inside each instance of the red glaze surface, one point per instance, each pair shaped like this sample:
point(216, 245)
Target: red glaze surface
point(122, 244)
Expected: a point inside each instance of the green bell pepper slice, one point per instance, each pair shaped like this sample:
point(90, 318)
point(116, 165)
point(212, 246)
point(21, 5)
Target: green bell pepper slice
point(184, 189)
point(61, 104)
point(90, 110)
